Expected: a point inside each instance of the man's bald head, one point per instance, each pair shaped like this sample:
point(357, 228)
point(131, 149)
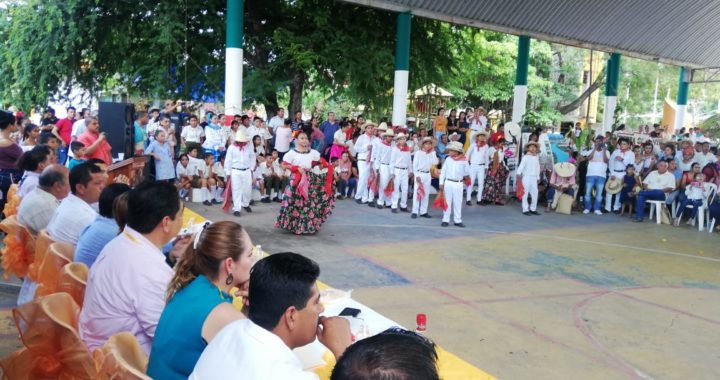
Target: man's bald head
point(54, 180)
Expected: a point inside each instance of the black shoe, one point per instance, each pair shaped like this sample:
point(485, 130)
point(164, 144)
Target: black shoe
point(468, 203)
point(371, 204)
point(413, 215)
point(426, 215)
point(340, 197)
point(479, 203)
point(605, 211)
point(207, 203)
point(395, 211)
point(276, 199)
point(265, 200)
point(461, 225)
point(379, 207)
point(637, 220)
point(404, 209)
point(237, 213)
point(500, 203)
point(616, 212)
point(247, 209)
point(359, 201)
point(216, 202)
point(444, 224)
point(252, 203)
point(526, 213)
point(534, 213)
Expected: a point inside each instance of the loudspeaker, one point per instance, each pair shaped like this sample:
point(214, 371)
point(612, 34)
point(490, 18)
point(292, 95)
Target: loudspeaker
point(116, 121)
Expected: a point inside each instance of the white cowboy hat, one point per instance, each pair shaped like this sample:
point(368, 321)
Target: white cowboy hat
point(383, 126)
point(389, 132)
point(411, 119)
point(401, 136)
point(241, 136)
point(481, 133)
point(512, 130)
point(426, 140)
point(613, 186)
point(532, 143)
point(456, 146)
point(565, 169)
point(367, 124)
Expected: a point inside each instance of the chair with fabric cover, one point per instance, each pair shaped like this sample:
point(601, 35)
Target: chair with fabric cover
point(58, 255)
point(72, 280)
point(13, 201)
point(53, 349)
point(121, 357)
point(19, 248)
point(42, 243)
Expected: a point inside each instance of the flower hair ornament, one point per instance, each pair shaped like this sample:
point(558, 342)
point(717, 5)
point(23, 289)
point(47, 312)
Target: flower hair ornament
point(198, 230)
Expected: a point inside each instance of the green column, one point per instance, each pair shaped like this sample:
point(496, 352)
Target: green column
point(523, 61)
point(402, 69)
point(234, 21)
point(234, 58)
point(683, 87)
point(613, 75)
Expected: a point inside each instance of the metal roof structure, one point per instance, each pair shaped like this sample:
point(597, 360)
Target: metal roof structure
point(683, 33)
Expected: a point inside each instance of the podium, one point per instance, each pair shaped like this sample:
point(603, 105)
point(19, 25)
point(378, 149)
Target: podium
point(133, 169)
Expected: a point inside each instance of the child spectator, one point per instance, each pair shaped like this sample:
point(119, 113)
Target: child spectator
point(628, 191)
point(162, 152)
point(78, 150)
point(184, 175)
point(696, 193)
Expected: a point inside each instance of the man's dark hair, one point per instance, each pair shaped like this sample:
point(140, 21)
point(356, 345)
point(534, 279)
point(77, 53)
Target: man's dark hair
point(75, 146)
point(278, 282)
point(30, 160)
point(96, 161)
point(287, 122)
point(107, 197)
point(82, 174)
point(45, 137)
point(257, 118)
point(70, 108)
point(193, 117)
point(49, 177)
point(149, 203)
point(235, 122)
point(141, 114)
point(394, 354)
point(244, 117)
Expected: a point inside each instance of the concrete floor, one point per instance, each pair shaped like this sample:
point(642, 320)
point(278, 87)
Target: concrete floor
point(541, 297)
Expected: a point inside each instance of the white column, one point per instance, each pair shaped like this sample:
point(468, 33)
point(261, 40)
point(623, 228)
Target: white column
point(400, 97)
point(519, 103)
point(233, 81)
point(608, 117)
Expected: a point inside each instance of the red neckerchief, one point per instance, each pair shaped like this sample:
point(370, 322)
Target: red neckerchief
point(460, 157)
point(478, 145)
point(240, 145)
point(386, 143)
point(404, 148)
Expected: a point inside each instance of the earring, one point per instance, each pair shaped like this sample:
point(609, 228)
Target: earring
point(229, 279)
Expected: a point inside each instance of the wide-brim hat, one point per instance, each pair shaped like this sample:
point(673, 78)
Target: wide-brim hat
point(512, 130)
point(401, 136)
point(368, 124)
point(383, 126)
point(427, 140)
point(613, 186)
point(456, 146)
point(565, 169)
point(241, 136)
point(532, 143)
point(389, 132)
point(411, 119)
point(481, 133)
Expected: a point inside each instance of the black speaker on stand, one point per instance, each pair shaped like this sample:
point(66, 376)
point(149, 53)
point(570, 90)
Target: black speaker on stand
point(116, 121)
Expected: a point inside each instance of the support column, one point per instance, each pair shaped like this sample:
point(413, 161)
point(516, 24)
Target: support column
point(682, 96)
point(234, 58)
point(611, 85)
point(402, 69)
point(521, 77)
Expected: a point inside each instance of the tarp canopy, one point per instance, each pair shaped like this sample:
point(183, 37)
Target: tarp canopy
point(684, 33)
point(432, 90)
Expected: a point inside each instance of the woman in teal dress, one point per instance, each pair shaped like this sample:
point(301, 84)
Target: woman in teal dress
point(199, 305)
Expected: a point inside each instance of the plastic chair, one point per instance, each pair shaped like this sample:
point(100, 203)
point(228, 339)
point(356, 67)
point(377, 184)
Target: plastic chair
point(42, 244)
point(121, 357)
point(19, 250)
point(703, 212)
point(58, 255)
point(53, 348)
point(656, 207)
point(72, 280)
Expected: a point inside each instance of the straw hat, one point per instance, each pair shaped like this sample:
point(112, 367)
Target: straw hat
point(411, 119)
point(241, 136)
point(532, 143)
point(613, 186)
point(401, 136)
point(383, 126)
point(456, 146)
point(481, 133)
point(368, 124)
point(427, 140)
point(389, 132)
point(565, 169)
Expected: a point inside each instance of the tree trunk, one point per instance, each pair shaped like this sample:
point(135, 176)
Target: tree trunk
point(271, 106)
point(580, 99)
point(296, 92)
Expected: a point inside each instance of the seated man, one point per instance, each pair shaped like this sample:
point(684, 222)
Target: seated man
point(285, 314)
point(94, 238)
point(127, 284)
point(656, 186)
point(37, 208)
point(562, 181)
point(393, 354)
point(75, 211)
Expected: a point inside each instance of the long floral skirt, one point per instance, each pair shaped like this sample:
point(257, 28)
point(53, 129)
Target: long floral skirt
point(493, 190)
point(305, 217)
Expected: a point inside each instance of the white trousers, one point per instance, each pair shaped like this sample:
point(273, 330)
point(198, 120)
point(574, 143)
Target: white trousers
point(384, 179)
point(241, 188)
point(609, 204)
point(401, 188)
point(477, 172)
point(421, 206)
point(362, 191)
point(454, 198)
point(530, 183)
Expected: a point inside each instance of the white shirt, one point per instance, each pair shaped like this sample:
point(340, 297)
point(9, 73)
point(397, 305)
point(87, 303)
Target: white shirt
point(282, 139)
point(617, 167)
point(36, 209)
point(705, 158)
point(361, 146)
point(657, 181)
point(597, 166)
point(184, 170)
point(529, 166)
point(339, 137)
point(195, 164)
point(244, 350)
point(125, 291)
point(28, 183)
point(78, 129)
point(214, 138)
point(239, 159)
point(477, 155)
point(478, 123)
point(381, 155)
point(70, 219)
point(253, 131)
point(698, 193)
point(454, 170)
point(400, 159)
point(303, 160)
point(422, 162)
point(191, 134)
point(275, 123)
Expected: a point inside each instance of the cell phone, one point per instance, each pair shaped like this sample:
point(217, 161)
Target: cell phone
point(349, 312)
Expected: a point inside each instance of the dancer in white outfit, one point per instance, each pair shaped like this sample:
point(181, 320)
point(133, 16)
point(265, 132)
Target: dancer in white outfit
point(381, 164)
point(401, 166)
point(423, 161)
point(364, 146)
point(529, 170)
point(478, 158)
point(240, 163)
point(452, 179)
point(619, 160)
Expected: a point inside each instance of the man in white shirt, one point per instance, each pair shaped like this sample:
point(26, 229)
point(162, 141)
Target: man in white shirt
point(478, 157)
point(619, 160)
point(127, 284)
point(529, 172)
point(598, 159)
point(240, 163)
point(363, 147)
point(283, 136)
point(423, 161)
point(87, 181)
point(656, 186)
point(37, 208)
point(277, 121)
point(705, 156)
point(452, 177)
point(285, 315)
point(401, 169)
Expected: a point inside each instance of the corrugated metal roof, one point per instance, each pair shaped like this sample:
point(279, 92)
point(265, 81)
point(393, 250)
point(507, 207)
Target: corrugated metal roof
point(685, 33)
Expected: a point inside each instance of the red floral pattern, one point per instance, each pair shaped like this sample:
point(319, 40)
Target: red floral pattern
point(305, 217)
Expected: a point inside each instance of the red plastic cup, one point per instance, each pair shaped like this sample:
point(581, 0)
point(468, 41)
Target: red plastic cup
point(421, 320)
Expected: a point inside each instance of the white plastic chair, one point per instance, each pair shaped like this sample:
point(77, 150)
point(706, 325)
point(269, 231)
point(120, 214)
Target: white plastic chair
point(656, 207)
point(703, 212)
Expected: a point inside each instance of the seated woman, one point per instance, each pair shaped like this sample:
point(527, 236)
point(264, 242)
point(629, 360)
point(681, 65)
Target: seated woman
point(199, 305)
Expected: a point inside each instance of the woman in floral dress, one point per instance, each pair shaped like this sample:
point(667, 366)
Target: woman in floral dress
point(310, 196)
point(496, 175)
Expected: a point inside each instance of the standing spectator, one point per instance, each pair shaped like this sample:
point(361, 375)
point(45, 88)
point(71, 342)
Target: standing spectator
point(619, 159)
point(78, 152)
point(31, 132)
point(277, 121)
point(37, 208)
point(328, 128)
point(339, 140)
point(440, 124)
point(162, 152)
point(656, 186)
point(75, 211)
point(598, 159)
point(10, 151)
point(192, 134)
point(316, 135)
point(141, 133)
point(79, 127)
point(283, 137)
point(96, 145)
point(64, 128)
point(297, 122)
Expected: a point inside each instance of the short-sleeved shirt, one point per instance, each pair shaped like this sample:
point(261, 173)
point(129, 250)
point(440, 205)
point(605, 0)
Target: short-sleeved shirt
point(163, 166)
point(65, 127)
point(94, 238)
point(283, 136)
point(303, 160)
point(103, 151)
point(191, 134)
